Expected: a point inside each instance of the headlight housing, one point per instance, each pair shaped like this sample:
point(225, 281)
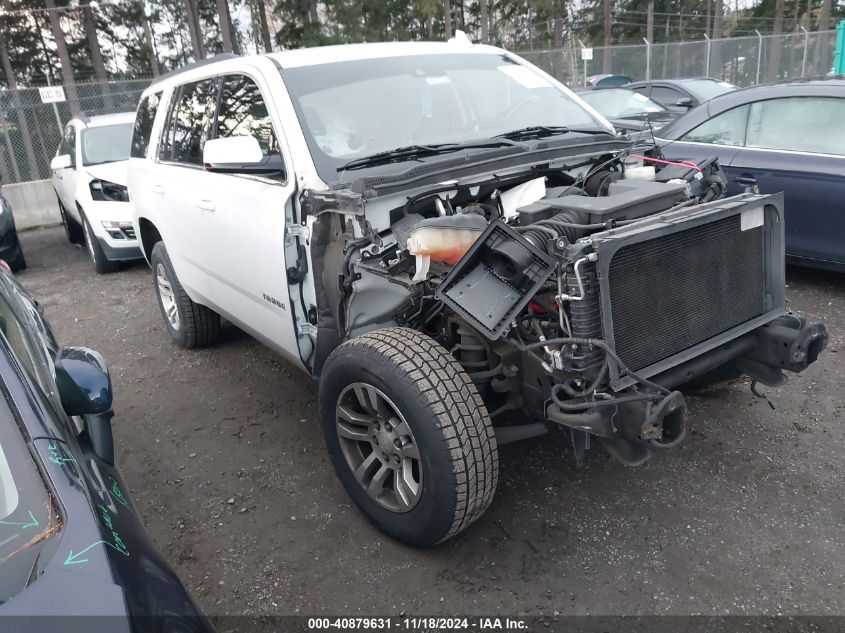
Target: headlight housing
point(105, 191)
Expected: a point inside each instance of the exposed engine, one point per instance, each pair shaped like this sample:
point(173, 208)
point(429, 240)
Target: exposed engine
point(585, 299)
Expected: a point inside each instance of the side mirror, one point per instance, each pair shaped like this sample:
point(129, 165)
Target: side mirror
point(85, 389)
point(239, 155)
point(62, 161)
point(684, 102)
point(83, 381)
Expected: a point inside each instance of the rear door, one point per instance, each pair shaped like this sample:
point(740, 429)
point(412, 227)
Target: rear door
point(249, 218)
point(797, 145)
point(182, 188)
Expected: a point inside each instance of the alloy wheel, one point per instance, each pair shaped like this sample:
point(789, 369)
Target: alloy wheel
point(379, 447)
point(167, 297)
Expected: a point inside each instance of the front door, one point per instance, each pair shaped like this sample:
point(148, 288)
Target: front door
point(64, 180)
point(249, 221)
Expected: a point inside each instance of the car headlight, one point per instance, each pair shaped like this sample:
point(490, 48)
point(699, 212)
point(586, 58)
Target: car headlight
point(105, 191)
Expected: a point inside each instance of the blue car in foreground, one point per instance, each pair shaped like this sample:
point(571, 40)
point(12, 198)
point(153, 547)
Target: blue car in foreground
point(787, 137)
point(71, 540)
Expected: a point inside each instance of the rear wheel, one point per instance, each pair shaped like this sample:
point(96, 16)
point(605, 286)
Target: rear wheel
point(188, 323)
point(73, 231)
point(408, 434)
point(101, 264)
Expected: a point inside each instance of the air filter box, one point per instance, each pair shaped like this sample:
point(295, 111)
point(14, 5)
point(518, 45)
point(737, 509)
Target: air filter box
point(495, 279)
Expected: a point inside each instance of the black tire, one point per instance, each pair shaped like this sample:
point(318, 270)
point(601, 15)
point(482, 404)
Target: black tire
point(102, 265)
point(450, 425)
point(74, 232)
point(195, 324)
point(19, 262)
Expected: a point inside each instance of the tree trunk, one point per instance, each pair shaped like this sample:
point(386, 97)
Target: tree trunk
point(649, 22)
point(90, 25)
point(447, 18)
point(262, 27)
point(23, 124)
point(824, 25)
point(64, 57)
point(775, 46)
point(606, 56)
point(148, 39)
point(225, 25)
point(557, 32)
point(485, 21)
point(194, 29)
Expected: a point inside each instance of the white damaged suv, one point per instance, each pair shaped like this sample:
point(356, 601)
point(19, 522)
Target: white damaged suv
point(89, 176)
point(462, 252)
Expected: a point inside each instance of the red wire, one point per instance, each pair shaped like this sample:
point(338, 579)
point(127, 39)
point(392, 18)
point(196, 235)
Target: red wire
point(683, 163)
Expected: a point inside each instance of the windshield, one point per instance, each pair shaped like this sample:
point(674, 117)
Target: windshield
point(106, 144)
point(355, 109)
point(27, 516)
point(706, 89)
point(615, 104)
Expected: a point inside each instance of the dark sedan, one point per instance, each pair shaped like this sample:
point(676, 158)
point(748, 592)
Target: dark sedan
point(787, 137)
point(71, 540)
point(679, 95)
point(628, 110)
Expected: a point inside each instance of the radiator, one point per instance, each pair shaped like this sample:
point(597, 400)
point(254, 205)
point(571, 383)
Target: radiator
point(683, 283)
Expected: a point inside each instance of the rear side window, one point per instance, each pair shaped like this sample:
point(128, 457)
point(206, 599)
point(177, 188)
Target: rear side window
point(727, 128)
point(144, 125)
point(188, 124)
point(804, 124)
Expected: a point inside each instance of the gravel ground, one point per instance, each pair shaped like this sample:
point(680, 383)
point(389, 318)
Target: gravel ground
point(223, 453)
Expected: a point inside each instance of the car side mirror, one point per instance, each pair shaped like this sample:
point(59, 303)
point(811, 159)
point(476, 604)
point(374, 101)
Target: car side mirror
point(239, 155)
point(62, 161)
point(684, 102)
point(83, 381)
point(85, 389)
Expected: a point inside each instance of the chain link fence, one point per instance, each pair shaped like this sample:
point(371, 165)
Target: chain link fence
point(744, 61)
point(30, 130)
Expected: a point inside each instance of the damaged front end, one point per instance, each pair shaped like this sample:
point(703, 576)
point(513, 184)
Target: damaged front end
point(590, 306)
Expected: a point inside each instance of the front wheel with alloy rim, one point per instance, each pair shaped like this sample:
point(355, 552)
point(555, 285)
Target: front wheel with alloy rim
point(189, 324)
point(98, 258)
point(408, 434)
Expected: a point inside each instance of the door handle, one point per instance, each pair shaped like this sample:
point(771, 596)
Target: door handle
point(158, 189)
point(748, 181)
point(206, 205)
point(745, 180)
